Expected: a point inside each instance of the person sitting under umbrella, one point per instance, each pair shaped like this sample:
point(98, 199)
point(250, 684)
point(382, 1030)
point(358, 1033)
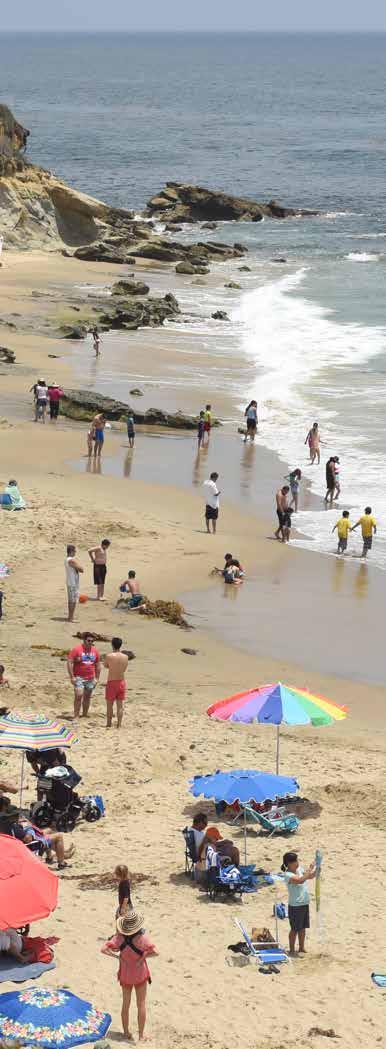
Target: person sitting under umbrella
point(53, 841)
point(11, 942)
point(222, 846)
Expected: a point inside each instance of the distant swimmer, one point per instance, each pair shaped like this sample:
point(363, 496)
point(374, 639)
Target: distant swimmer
point(281, 510)
point(314, 442)
point(343, 527)
point(251, 417)
point(294, 479)
point(369, 528)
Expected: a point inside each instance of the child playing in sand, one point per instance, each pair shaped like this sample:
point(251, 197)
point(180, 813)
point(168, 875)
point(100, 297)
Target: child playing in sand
point(298, 898)
point(344, 527)
point(131, 585)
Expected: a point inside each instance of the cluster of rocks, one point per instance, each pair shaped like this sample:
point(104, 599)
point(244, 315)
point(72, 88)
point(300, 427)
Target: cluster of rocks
point(143, 244)
point(128, 308)
point(7, 356)
point(179, 202)
point(82, 405)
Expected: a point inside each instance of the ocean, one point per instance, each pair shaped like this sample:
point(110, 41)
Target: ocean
point(296, 117)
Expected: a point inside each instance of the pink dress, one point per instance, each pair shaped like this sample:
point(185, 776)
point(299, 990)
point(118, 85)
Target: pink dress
point(133, 970)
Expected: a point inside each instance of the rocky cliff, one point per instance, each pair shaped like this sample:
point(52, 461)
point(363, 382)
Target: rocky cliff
point(38, 211)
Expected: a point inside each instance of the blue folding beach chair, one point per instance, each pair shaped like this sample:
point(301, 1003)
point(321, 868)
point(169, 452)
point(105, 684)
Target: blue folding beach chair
point(380, 980)
point(275, 956)
point(283, 825)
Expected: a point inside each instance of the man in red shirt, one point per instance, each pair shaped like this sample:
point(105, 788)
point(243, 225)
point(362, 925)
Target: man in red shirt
point(84, 667)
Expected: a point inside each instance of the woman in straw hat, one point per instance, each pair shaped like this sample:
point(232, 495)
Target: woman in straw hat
point(133, 947)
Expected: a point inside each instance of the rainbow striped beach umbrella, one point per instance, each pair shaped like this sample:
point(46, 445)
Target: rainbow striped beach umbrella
point(276, 705)
point(27, 730)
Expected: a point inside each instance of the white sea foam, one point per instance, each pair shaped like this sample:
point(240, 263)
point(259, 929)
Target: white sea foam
point(362, 256)
point(300, 353)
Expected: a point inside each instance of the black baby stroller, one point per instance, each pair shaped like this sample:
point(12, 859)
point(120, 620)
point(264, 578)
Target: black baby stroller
point(59, 804)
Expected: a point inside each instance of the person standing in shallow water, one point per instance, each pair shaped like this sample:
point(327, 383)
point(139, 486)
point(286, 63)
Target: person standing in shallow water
point(314, 442)
point(212, 497)
point(281, 510)
point(251, 417)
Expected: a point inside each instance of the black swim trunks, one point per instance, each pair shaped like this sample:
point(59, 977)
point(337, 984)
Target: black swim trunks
point(281, 516)
point(210, 513)
point(99, 574)
point(299, 917)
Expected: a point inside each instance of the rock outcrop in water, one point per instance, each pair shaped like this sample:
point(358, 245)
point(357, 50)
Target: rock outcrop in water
point(178, 202)
point(38, 211)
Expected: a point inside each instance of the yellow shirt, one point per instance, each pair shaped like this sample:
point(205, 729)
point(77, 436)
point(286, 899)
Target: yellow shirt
point(367, 523)
point(343, 527)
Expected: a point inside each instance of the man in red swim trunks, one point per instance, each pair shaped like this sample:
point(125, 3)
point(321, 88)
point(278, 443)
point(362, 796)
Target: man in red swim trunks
point(116, 663)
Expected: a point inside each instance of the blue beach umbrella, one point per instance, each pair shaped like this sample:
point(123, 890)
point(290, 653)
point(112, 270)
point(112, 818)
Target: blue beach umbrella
point(244, 786)
point(44, 1016)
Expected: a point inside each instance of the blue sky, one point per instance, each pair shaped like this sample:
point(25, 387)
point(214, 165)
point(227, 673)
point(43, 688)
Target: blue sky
point(92, 15)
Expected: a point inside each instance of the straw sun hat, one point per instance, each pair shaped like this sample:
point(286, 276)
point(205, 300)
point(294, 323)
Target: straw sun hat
point(130, 923)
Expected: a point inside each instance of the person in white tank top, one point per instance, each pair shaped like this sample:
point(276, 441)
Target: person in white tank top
point(72, 569)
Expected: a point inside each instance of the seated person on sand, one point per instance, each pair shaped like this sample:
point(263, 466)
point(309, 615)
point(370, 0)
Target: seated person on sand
point(132, 586)
point(53, 842)
point(222, 846)
point(11, 498)
point(11, 942)
point(232, 572)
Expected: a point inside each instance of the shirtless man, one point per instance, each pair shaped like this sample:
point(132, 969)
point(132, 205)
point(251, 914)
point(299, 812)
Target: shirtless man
point(98, 427)
point(281, 508)
point(116, 663)
point(98, 556)
point(131, 584)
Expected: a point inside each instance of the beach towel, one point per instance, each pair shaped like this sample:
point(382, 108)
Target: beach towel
point(16, 972)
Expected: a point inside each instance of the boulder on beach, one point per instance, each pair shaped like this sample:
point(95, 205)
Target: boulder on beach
point(130, 287)
point(233, 284)
point(220, 315)
point(82, 405)
point(7, 356)
point(73, 331)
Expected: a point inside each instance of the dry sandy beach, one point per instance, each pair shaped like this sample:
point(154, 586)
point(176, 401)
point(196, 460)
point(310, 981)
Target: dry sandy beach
point(143, 772)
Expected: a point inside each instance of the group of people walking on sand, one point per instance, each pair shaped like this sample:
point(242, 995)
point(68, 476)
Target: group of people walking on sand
point(46, 397)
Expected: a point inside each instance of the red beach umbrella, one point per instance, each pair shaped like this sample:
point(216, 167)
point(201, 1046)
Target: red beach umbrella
point(28, 889)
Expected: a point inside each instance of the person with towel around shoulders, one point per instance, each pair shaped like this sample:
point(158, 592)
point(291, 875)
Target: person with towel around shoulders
point(134, 947)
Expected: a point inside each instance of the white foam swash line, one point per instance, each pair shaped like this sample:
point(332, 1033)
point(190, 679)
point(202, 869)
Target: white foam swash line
point(300, 353)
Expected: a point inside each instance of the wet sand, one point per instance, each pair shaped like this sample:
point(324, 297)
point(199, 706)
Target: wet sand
point(314, 610)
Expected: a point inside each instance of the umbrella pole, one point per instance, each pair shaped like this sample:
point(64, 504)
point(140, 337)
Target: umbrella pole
point(245, 837)
point(277, 748)
point(22, 778)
